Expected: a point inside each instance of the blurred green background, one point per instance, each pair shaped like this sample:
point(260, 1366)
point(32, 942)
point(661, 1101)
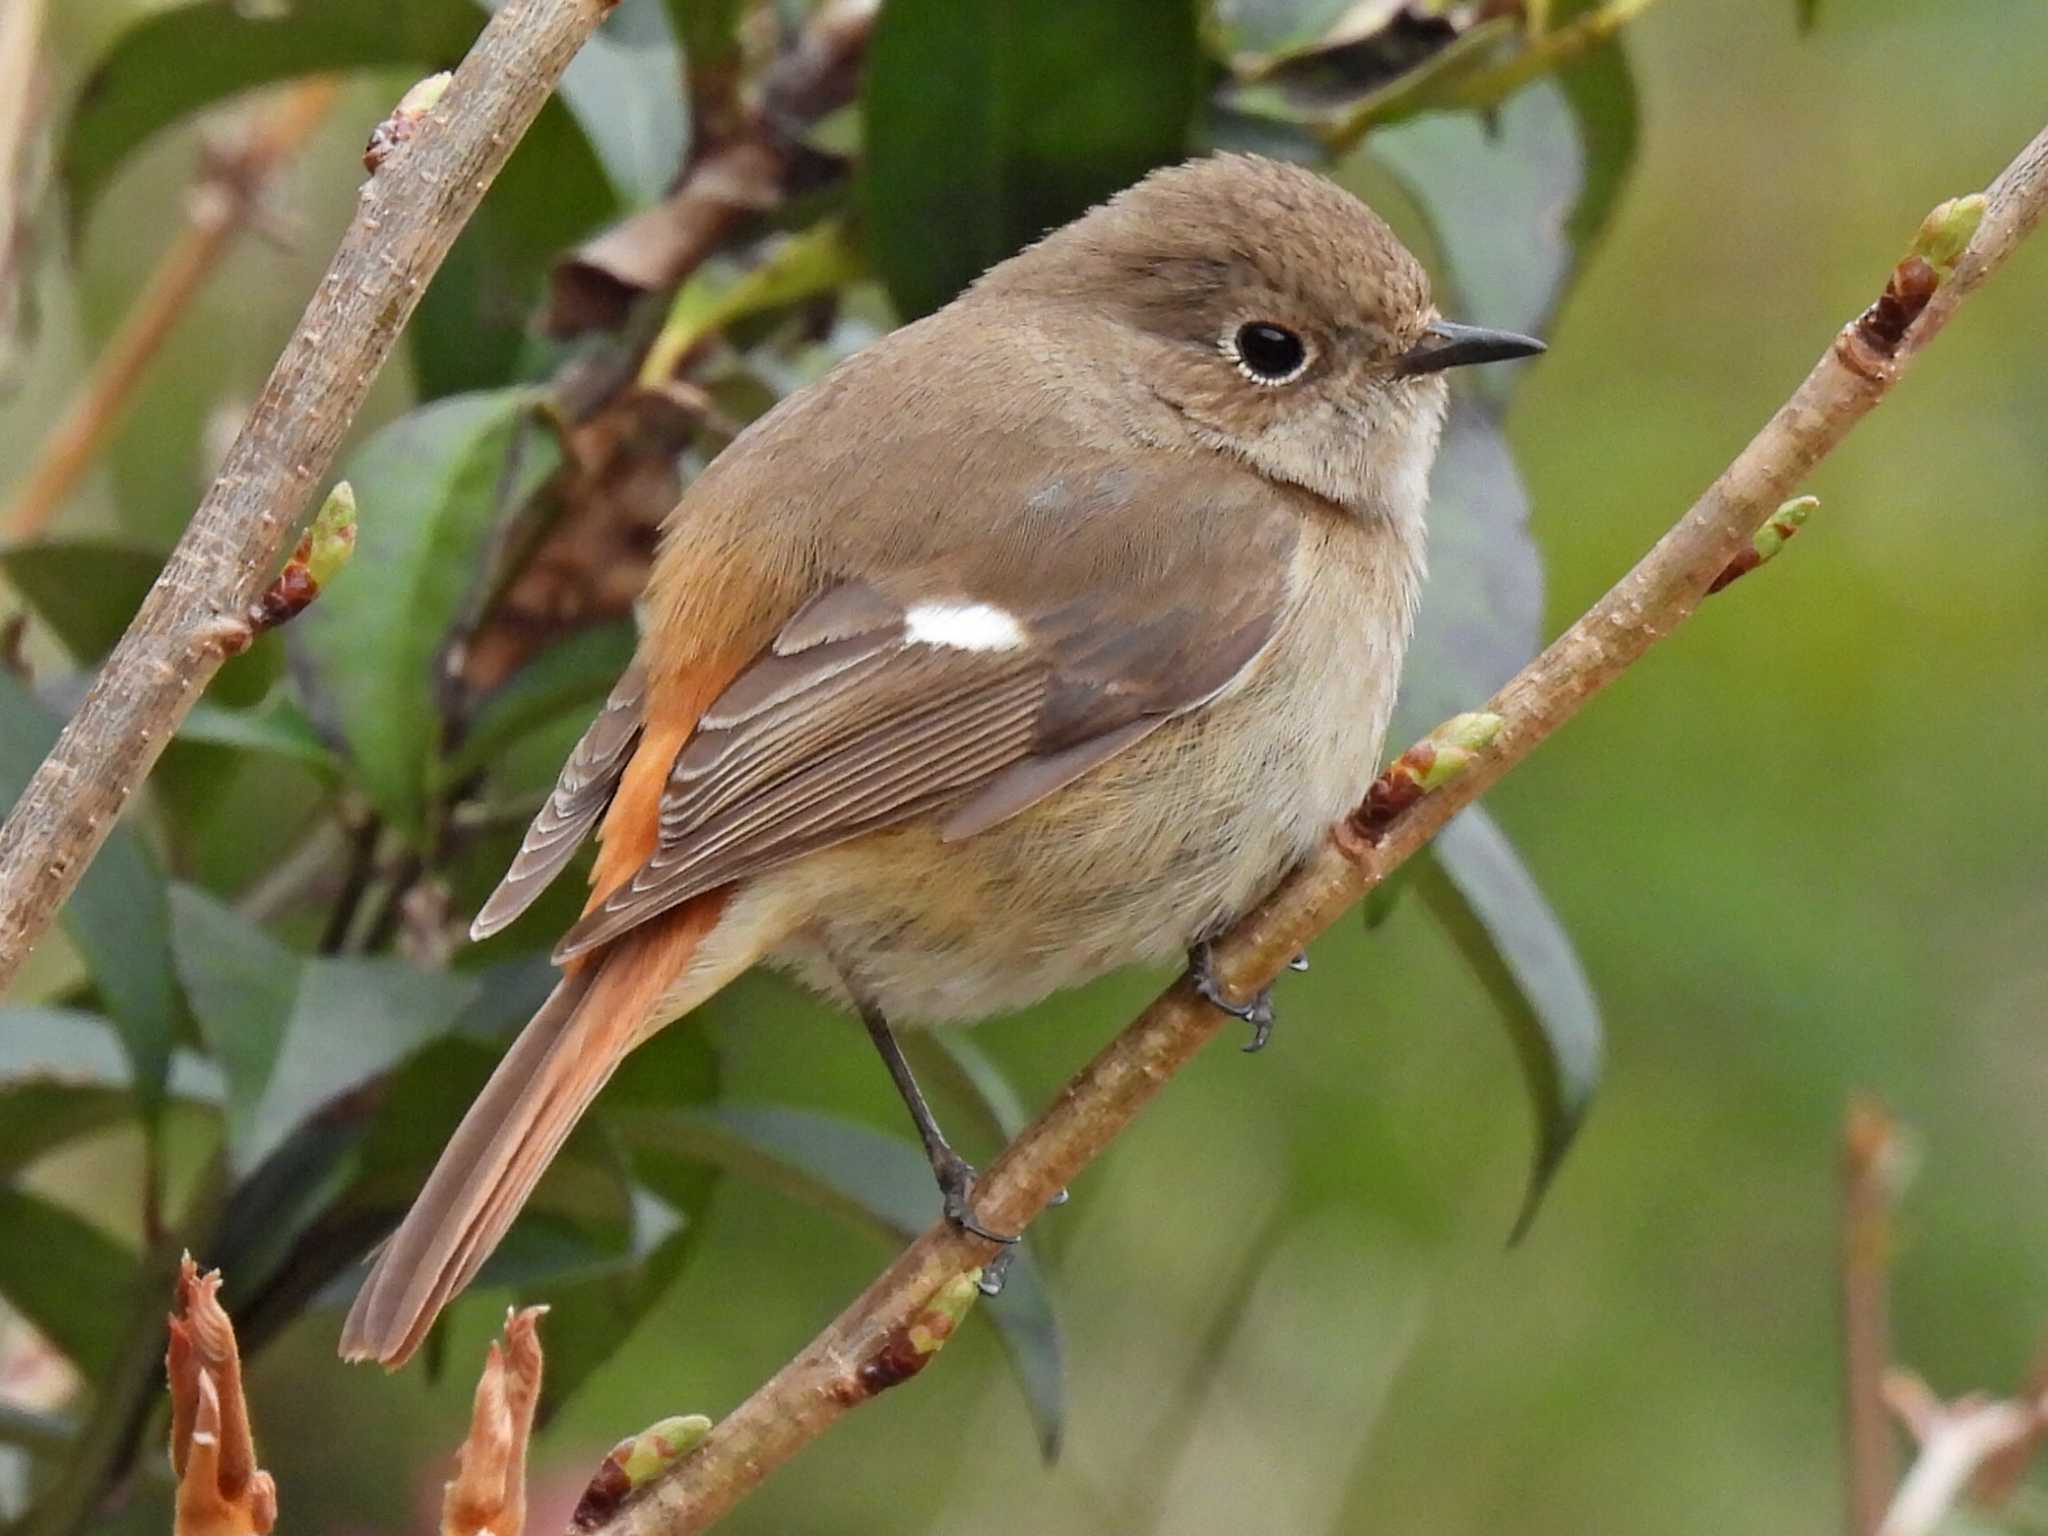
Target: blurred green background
point(1801, 851)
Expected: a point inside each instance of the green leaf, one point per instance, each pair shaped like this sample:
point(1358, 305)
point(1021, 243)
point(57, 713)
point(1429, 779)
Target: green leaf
point(278, 729)
point(948, 1057)
point(433, 485)
point(1478, 887)
point(1482, 608)
point(622, 87)
point(1601, 91)
point(117, 916)
point(169, 65)
point(67, 1277)
point(993, 121)
point(63, 1075)
point(1413, 62)
point(590, 1318)
point(876, 1181)
point(1808, 12)
point(86, 590)
point(1253, 33)
point(471, 329)
point(571, 676)
point(292, 1033)
point(1491, 190)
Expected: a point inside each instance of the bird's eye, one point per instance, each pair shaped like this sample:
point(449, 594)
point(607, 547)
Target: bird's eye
point(1268, 353)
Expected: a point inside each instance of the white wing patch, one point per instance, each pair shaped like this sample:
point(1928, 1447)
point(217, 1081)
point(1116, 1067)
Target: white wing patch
point(963, 627)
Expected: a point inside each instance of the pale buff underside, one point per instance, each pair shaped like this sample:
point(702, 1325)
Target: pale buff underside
point(1135, 861)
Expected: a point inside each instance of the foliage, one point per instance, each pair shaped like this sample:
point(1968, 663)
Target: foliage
point(318, 1030)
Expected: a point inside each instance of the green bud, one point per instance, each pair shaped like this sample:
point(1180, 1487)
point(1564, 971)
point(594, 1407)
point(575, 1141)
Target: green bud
point(1455, 743)
point(1946, 231)
point(1782, 524)
point(332, 538)
point(935, 1324)
point(660, 1446)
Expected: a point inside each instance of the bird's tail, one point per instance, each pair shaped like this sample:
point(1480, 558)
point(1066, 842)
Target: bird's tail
point(592, 1019)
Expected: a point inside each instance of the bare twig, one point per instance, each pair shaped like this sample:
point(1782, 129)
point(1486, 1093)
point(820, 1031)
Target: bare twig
point(407, 216)
point(222, 203)
point(23, 97)
point(1957, 1441)
point(838, 1369)
point(1869, 1163)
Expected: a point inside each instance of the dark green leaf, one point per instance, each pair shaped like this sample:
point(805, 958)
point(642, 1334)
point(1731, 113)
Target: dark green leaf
point(877, 1181)
point(279, 729)
point(950, 1058)
point(1252, 33)
point(470, 327)
point(571, 677)
point(117, 916)
point(470, 331)
point(1601, 91)
point(432, 486)
point(624, 88)
point(63, 1075)
point(590, 1318)
point(1482, 610)
point(86, 590)
point(172, 63)
point(1809, 14)
point(67, 1277)
point(996, 120)
point(1415, 61)
point(1491, 190)
point(291, 1033)
point(1490, 905)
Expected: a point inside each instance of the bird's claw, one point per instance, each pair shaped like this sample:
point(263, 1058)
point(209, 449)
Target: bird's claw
point(956, 1191)
point(1258, 1012)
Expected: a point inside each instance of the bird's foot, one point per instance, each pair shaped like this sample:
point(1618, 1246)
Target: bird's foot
point(956, 1192)
point(1258, 1012)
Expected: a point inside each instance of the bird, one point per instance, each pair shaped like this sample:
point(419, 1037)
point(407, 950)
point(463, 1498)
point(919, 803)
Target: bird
point(1039, 638)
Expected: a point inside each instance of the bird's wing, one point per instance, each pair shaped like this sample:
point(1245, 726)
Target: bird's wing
point(920, 692)
point(580, 796)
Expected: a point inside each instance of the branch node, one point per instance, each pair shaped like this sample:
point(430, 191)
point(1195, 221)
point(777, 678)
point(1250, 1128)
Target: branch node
point(405, 119)
point(1765, 543)
point(1440, 758)
point(909, 1347)
point(634, 1463)
point(319, 558)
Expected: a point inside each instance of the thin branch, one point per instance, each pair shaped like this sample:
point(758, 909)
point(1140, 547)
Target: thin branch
point(861, 1352)
point(1868, 1167)
point(407, 216)
point(23, 95)
point(1957, 1441)
point(224, 201)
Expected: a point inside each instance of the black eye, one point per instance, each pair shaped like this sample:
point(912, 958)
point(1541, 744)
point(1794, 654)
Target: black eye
point(1270, 353)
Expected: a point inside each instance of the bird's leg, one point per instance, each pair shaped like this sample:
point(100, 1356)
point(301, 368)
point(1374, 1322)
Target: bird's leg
point(954, 1173)
point(1258, 1012)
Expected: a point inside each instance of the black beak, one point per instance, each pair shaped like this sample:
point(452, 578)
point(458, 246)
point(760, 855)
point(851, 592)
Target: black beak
point(1445, 344)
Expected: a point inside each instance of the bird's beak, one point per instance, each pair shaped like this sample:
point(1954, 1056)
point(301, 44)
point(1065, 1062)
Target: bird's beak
point(1445, 344)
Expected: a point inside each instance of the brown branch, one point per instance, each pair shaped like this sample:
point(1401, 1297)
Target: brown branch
point(838, 1369)
point(407, 216)
point(1868, 1170)
point(223, 202)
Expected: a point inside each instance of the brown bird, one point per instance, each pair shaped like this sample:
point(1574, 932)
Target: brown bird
point(1039, 638)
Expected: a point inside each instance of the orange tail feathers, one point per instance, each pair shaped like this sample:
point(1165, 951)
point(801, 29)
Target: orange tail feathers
point(597, 1014)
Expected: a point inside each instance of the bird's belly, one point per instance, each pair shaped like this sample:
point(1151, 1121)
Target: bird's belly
point(1133, 862)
